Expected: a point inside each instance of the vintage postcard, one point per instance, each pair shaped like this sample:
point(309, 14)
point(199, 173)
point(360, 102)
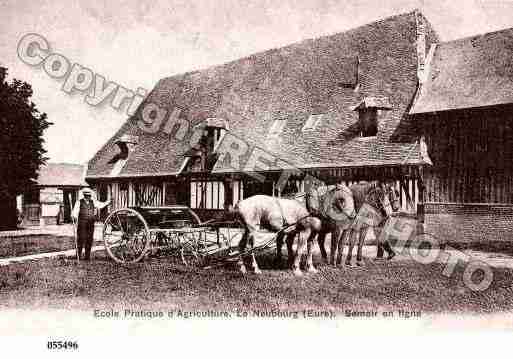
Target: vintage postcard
point(204, 172)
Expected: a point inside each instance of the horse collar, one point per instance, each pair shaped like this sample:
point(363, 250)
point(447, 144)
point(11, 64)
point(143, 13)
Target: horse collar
point(377, 202)
point(284, 219)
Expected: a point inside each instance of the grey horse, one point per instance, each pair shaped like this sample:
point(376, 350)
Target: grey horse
point(374, 202)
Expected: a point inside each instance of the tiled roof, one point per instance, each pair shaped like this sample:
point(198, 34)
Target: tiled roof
point(472, 72)
point(61, 174)
point(311, 77)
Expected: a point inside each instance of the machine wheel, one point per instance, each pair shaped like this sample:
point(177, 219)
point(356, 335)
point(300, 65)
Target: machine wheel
point(126, 235)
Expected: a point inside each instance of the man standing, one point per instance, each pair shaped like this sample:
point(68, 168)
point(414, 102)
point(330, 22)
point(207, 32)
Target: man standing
point(84, 214)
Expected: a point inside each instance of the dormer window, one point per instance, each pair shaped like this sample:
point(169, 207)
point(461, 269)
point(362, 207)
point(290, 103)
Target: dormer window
point(126, 145)
point(313, 122)
point(368, 122)
point(277, 127)
point(205, 138)
point(368, 110)
point(209, 132)
point(216, 128)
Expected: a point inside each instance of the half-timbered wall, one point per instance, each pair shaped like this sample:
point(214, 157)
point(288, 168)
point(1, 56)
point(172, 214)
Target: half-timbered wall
point(135, 193)
point(119, 194)
point(409, 190)
point(210, 193)
point(146, 193)
point(207, 194)
point(411, 186)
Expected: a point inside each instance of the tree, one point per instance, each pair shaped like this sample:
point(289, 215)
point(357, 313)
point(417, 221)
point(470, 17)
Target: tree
point(21, 144)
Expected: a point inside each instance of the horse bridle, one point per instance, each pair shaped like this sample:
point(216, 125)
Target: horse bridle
point(345, 190)
point(380, 200)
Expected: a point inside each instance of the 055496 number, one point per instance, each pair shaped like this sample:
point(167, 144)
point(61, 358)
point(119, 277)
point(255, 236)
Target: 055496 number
point(61, 345)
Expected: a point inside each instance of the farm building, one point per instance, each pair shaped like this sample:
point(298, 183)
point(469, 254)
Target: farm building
point(333, 108)
point(464, 110)
point(51, 199)
point(386, 100)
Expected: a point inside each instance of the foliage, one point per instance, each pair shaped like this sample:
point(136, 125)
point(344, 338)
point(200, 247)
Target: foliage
point(21, 142)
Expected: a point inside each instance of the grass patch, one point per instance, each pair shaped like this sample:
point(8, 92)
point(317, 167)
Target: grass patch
point(33, 244)
point(162, 283)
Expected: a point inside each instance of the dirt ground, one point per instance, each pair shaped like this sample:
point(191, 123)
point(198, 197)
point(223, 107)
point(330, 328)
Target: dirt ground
point(164, 283)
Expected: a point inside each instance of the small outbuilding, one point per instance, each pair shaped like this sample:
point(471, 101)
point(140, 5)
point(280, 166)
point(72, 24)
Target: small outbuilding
point(50, 201)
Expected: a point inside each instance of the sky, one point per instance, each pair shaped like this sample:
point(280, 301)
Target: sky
point(135, 43)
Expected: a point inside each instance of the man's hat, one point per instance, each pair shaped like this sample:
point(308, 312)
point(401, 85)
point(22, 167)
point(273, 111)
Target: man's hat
point(87, 191)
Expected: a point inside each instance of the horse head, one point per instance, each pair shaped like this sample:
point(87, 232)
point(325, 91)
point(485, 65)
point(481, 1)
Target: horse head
point(338, 203)
point(348, 207)
point(387, 197)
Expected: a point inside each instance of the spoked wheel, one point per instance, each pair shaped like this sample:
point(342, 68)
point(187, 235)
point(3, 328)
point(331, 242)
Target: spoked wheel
point(190, 253)
point(126, 235)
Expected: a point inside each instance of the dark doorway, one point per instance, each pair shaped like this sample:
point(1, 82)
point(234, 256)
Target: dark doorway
point(178, 192)
point(253, 187)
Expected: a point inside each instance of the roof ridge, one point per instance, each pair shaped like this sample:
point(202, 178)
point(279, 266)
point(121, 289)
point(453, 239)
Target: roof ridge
point(470, 37)
point(259, 53)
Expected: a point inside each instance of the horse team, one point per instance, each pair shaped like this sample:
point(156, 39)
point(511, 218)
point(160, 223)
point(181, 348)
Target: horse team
point(347, 213)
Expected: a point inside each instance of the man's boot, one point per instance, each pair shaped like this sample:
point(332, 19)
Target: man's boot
point(79, 249)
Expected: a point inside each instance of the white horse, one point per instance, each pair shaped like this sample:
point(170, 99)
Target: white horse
point(281, 216)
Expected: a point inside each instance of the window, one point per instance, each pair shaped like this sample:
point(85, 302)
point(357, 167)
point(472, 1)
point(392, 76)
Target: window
point(277, 128)
point(368, 122)
point(216, 128)
point(313, 122)
point(368, 110)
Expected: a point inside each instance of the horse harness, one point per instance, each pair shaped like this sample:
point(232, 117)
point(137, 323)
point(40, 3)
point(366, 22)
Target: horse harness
point(285, 224)
point(370, 198)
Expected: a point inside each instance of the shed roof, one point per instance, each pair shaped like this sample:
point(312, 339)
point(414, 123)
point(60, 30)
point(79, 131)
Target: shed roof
point(61, 174)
